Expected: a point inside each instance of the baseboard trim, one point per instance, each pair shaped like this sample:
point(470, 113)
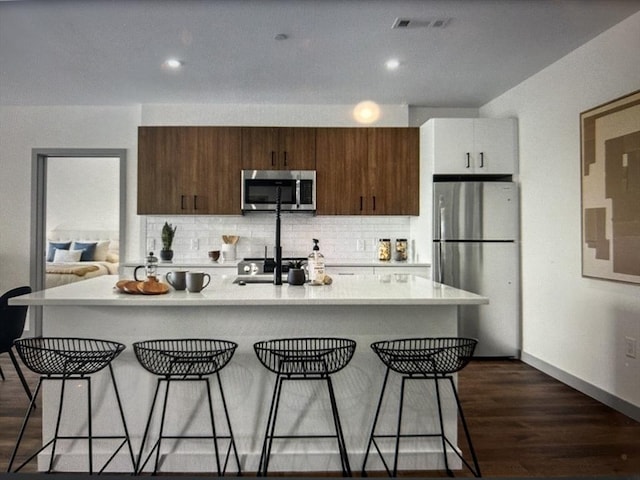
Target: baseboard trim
point(622, 406)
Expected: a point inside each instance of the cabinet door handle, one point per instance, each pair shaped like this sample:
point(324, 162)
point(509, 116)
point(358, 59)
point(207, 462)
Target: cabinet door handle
point(285, 159)
point(195, 202)
point(374, 203)
point(181, 202)
point(273, 158)
point(361, 202)
point(468, 160)
point(481, 159)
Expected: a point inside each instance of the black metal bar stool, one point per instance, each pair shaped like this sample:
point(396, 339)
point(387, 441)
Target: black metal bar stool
point(303, 359)
point(65, 359)
point(186, 360)
point(433, 359)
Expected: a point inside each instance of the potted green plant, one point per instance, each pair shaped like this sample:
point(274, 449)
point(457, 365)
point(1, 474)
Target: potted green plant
point(168, 232)
point(296, 275)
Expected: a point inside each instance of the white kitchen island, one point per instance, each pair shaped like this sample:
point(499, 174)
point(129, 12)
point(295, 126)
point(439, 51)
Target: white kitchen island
point(365, 308)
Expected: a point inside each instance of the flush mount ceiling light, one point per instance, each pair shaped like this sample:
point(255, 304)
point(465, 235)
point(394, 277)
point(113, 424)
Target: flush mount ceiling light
point(392, 64)
point(172, 63)
point(366, 112)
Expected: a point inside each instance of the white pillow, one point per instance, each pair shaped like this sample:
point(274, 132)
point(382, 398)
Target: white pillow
point(113, 257)
point(114, 246)
point(62, 256)
point(102, 248)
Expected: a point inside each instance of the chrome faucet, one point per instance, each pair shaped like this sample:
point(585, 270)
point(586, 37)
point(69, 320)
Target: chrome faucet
point(277, 271)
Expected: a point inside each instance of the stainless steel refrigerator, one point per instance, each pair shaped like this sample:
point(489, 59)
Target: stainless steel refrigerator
point(476, 248)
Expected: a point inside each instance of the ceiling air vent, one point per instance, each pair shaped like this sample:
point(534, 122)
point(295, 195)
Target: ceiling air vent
point(432, 23)
point(401, 23)
point(440, 22)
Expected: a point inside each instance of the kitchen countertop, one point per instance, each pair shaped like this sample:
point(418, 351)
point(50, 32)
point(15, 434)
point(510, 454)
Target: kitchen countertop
point(337, 263)
point(375, 263)
point(391, 289)
point(365, 308)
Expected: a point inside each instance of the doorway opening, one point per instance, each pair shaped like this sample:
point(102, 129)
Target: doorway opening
point(59, 176)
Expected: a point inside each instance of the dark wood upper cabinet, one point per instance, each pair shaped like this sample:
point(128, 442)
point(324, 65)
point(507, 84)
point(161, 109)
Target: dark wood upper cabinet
point(394, 171)
point(189, 170)
point(278, 148)
point(341, 170)
point(367, 171)
point(222, 145)
point(196, 170)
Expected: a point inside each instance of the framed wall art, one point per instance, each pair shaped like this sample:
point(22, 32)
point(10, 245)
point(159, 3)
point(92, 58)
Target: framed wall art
point(610, 155)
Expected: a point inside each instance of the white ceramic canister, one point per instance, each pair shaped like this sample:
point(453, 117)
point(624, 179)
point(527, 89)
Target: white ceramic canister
point(228, 252)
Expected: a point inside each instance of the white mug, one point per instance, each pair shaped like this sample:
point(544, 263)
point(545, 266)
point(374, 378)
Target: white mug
point(196, 281)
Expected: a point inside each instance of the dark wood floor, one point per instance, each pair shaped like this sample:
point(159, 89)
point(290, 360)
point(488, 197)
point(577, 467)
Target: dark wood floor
point(524, 424)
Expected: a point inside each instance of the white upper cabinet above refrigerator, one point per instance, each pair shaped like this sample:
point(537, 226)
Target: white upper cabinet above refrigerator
point(472, 146)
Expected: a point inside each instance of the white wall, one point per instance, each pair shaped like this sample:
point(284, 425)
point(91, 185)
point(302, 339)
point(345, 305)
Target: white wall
point(83, 193)
point(342, 238)
point(268, 115)
point(577, 325)
point(25, 128)
point(419, 115)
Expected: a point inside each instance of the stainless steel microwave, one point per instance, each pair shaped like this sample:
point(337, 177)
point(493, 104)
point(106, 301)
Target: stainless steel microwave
point(297, 190)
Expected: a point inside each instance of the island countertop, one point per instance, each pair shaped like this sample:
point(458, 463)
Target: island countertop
point(364, 308)
point(393, 289)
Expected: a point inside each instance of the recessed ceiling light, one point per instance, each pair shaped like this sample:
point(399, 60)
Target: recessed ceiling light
point(172, 63)
point(392, 64)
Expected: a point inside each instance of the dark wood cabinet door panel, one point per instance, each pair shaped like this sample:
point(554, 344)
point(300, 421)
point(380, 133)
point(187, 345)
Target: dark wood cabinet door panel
point(341, 170)
point(367, 171)
point(217, 180)
point(278, 148)
point(297, 148)
point(189, 170)
point(161, 152)
point(394, 171)
point(259, 148)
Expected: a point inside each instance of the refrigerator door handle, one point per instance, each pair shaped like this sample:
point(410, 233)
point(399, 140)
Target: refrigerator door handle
point(439, 275)
point(441, 219)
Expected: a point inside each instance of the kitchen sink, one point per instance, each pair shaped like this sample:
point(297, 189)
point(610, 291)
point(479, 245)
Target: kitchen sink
point(262, 266)
point(264, 278)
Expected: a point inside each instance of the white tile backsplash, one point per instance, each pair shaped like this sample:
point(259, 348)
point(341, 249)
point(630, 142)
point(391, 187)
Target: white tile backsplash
point(340, 236)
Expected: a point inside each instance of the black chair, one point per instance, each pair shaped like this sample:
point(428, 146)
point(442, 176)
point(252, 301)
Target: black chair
point(186, 360)
point(304, 359)
point(64, 360)
point(433, 359)
point(12, 320)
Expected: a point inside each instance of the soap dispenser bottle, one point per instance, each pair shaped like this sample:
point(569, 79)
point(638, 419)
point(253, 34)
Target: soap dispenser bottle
point(315, 264)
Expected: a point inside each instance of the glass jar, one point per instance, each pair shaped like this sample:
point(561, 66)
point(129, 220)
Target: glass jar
point(400, 252)
point(384, 249)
